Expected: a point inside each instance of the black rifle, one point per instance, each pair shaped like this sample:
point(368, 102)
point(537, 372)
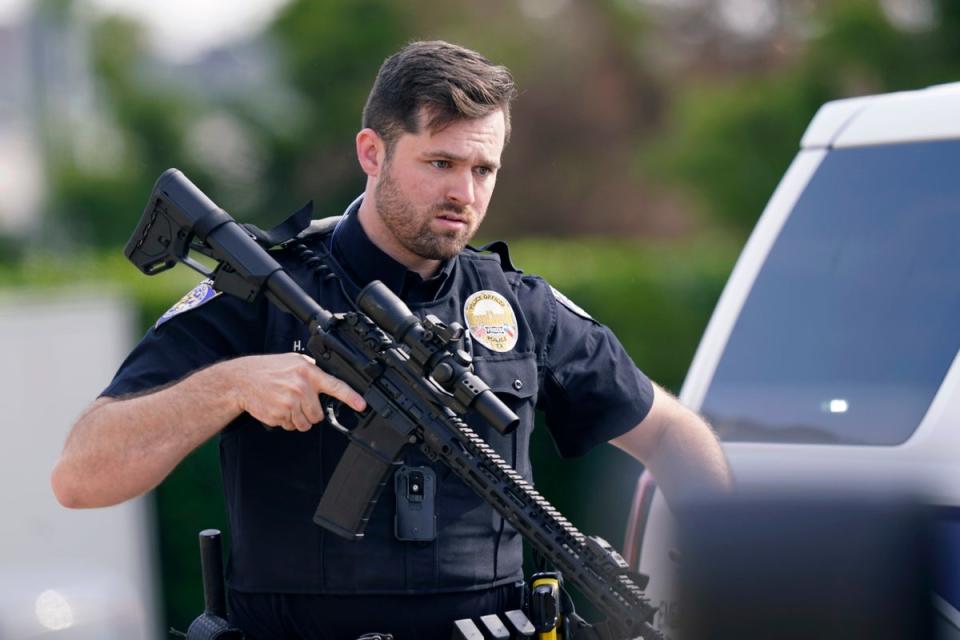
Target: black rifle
point(417, 385)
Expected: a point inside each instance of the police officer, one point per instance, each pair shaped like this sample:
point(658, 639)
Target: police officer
point(434, 127)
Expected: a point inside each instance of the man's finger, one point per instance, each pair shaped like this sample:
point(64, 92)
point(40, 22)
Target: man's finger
point(300, 421)
point(331, 386)
point(312, 409)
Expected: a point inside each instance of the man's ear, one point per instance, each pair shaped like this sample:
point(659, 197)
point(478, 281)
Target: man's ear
point(371, 152)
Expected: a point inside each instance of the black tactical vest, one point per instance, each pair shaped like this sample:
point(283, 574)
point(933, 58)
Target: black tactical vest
point(273, 480)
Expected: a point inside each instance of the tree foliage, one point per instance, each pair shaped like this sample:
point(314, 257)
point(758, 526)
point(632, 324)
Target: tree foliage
point(95, 203)
point(330, 53)
point(729, 140)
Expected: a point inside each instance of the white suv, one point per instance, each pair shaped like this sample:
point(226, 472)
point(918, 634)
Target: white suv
point(831, 357)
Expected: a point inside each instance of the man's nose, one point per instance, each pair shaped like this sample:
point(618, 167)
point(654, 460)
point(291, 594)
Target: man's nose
point(461, 188)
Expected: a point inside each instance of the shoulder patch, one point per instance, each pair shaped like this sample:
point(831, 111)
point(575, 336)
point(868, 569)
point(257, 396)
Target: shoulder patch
point(570, 304)
point(199, 295)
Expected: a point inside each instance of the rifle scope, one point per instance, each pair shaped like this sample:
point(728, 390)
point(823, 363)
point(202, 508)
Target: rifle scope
point(393, 315)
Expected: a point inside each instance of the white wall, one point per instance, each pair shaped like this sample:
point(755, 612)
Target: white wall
point(88, 572)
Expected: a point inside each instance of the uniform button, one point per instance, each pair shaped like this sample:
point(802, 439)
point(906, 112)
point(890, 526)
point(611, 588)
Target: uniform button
point(518, 384)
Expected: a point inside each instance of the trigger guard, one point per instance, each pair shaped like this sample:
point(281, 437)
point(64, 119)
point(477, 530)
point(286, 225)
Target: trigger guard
point(330, 407)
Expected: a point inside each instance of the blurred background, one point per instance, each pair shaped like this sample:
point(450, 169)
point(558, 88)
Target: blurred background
point(647, 138)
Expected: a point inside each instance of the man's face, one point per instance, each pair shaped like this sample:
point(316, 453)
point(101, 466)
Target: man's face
point(434, 188)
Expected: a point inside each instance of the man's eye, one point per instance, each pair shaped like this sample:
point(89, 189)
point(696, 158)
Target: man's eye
point(441, 164)
point(483, 171)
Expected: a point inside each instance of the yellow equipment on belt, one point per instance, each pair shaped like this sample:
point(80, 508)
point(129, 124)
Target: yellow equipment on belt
point(545, 604)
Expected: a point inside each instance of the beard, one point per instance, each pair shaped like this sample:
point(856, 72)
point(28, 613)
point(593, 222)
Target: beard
point(412, 229)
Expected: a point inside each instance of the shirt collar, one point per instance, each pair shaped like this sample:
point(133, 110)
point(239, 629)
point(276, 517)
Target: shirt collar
point(366, 262)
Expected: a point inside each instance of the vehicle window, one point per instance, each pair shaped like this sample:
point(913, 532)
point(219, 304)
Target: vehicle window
point(855, 316)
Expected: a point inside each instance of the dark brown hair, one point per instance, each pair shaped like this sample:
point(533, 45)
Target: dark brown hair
point(449, 81)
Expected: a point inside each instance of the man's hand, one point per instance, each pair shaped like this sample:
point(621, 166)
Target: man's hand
point(283, 390)
point(120, 448)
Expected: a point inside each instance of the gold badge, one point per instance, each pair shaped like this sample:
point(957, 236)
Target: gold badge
point(491, 320)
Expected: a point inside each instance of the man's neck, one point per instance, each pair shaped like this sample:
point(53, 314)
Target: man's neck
point(384, 240)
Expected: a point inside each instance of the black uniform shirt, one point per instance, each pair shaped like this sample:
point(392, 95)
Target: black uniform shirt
point(563, 362)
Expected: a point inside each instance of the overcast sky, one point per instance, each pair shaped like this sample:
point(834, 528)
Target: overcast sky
point(179, 28)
